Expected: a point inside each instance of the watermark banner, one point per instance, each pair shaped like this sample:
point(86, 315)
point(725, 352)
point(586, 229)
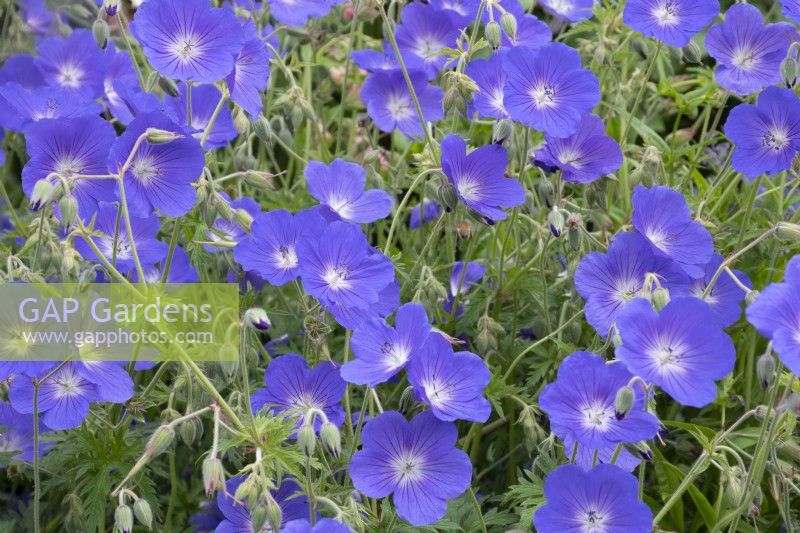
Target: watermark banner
point(119, 322)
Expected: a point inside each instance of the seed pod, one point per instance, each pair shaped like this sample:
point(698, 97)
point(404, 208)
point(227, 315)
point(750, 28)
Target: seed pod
point(307, 439)
point(331, 439)
point(143, 513)
point(263, 130)
point(168, 86)
point(160, 440)
point(492, 33)
point(213, 474)
point(765, 369)
point(623, 402)
point(509, 24)
point(100, 32)
point(123, 518)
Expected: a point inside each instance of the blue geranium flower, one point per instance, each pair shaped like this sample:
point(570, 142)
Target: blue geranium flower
point(390, 104)
point(673, 22)
point(340, 187)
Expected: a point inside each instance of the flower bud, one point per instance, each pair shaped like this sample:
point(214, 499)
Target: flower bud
point(274, 513)
point(502, 130)
point(256, 318)
point(307, 439)
point(191, 430)
point(258, 178)
point(263, 130)
point(546, 192)
point(330, 438)
point(659, 298)
point(464, 229)
point(788, 230)
point(240, 121)
point(42, 194)
point(789, 71)
point(492, 33)
point(143, 513)
point(509, 24)
point(765, 369)
point(68, 207)
point(623, 402)
point(258, 516)
point(157, 136)
point(160, 440)
point(101, 33)
point(556, 220)
point(447, 196)
point(479, 218)
point(733, 487)
point(213, 474)
point(123, 519)
point(168, 86)
point(691, 53)
point(406, 400)
point(243, 219)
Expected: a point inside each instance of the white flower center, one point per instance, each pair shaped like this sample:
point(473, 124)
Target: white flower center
point(744, 58)
point(427, 47)
point(144, 170)
point(666, 13)
point(597, 415)
point(399, 106)
point(775, 139)
point(67, 384)
point(69, 166)
point(186, 48)
point(437, 392)
point(336, 277)
point(496, 100)
point(468, 189)
point(408, 467)
point(285, 257)
point(70, 75)
point(396, 355)
point(594, 522)
point(667, 356)
point(48, 111)
point(544, 95)
point(570, 156)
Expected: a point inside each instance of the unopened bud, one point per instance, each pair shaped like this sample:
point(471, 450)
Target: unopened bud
point(733, 487)
point(556, 221)
point(307, 439)
point(240, 121)
point(502, 130)
point(191, 430)
point(260, 179)
point(159, 441)
point(623, 402)
point(659, 298)
point(447, 196)
point(263, 130)
point(213, 474)
point(256, 318)
point(789, 71)
point(509, 24)
point(168, 86)
point(691, 53)
point(42, 194)
point(143, 513)
point(407, 400)
point(68, 208)
point(243, 219)
point(492, 33)
point(157, 136)
point(765, 369)
point(750, 297)
point(123, 519)
point(258, 516)
point(101, 33)
point(464, 229)
point(330, 438)
point(546, 192)
point(788, 230)
point(479, 218)
point(274, 514)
